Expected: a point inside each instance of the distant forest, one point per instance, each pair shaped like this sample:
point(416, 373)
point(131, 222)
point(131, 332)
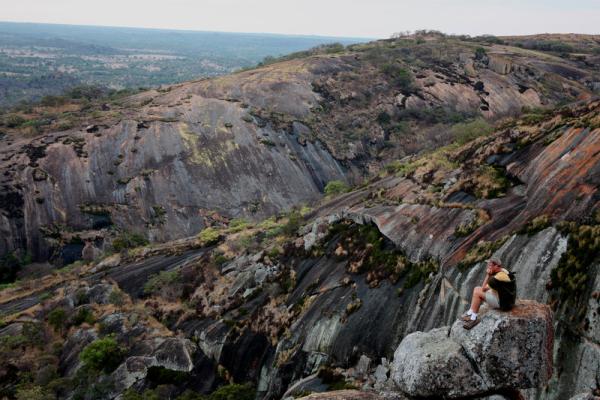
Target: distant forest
point(37, 60)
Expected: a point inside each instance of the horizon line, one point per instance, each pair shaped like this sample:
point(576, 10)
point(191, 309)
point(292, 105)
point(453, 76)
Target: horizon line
point(305, 35)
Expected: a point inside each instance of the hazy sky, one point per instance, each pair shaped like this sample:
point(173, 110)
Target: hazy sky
point(358, 18)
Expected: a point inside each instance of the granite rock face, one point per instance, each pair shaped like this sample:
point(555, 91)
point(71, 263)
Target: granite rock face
point(253, 143)
point(507, 350)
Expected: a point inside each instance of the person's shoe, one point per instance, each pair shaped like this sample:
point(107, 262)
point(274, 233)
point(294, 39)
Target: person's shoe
point(471, 323)
point(465, 317)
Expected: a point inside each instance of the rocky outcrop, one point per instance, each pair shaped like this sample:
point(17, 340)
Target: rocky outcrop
point(510, 350)
point(173, 354)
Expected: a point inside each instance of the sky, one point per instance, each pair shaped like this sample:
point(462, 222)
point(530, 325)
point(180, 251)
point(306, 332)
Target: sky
point(350, 18)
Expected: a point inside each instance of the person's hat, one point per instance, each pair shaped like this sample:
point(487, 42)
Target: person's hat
point(494, 260)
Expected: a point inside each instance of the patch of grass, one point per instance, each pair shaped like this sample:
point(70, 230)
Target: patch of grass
point(480, 252)
point(466, 228)
point(419, 272)
point(536, 225)
point(490, 182)
point(238, 225)
point(467, 131)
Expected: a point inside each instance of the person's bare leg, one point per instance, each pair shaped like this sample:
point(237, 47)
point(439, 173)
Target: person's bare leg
point(478, 296)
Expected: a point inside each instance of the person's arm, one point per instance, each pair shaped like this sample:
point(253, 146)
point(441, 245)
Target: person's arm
point(484, 285)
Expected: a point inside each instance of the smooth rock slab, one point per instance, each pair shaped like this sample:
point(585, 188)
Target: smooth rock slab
point(507, 350)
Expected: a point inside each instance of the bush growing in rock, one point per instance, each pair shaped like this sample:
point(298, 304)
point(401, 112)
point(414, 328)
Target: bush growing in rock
point(165, 283)
point(401, 77)
point(83, 315)
point(233, 392)
point(102, 355)
point(57, 318)
point(127, 240)
point(570, 278)
point(209, 236)
point(334, 188)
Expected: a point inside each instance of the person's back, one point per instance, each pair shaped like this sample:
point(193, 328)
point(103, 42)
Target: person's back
point(504, 284)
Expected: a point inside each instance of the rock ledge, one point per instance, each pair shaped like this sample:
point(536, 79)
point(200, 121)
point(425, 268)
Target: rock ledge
point(507, 350)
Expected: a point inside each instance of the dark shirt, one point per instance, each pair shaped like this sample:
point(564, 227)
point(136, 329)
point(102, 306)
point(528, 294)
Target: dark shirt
point(504, 284)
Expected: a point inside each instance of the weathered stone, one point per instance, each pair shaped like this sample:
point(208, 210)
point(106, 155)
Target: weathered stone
point(511, 349)
point(585, 396)
point(499, 64)
point(173, 354)
point(507, 350)
point(363, 365)
point(76, 342)
point(430, 364)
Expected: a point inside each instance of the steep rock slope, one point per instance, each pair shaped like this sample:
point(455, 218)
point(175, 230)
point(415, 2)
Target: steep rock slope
point(299, 312)
point(168, 162)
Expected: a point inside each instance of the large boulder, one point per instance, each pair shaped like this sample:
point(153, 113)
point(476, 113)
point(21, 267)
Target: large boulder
point(512, 350)
point(507, 350)
point(174, 354)
point(428, 364)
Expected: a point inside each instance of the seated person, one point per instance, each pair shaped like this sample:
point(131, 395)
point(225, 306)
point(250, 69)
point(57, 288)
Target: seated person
point(499, 290)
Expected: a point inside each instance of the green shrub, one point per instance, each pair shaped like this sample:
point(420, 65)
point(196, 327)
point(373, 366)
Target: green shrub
point(190, 395)
point(209, 236)
point(9, 266)
point(127, 240)
point(490, 182)
point(571, 278)
point(53, 101)
point(238, 225)
point(294, 220)
point(401, 77)
point(233, 392)
point(537, 224)
point(116, 297)
point(468, 131)
point(159, 281)
point(57, 318)
point(420, 271)
point(83, 315)
point(480, 53)
point(480, 252)
point(334, 188)
point(102, 355)
point(383, 118)
point(14, 120)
